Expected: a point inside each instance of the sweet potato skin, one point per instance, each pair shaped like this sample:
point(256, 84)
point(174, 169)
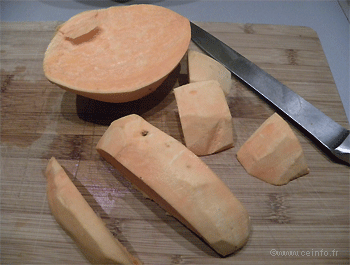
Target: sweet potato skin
point(176, 179)
point(78, 219)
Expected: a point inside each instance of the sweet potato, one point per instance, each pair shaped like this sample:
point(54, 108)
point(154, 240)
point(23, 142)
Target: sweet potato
point(176, 179)
point(202, 68)
point(205, 117)
point(273, 153)
point(78, 219)
point(118, 54)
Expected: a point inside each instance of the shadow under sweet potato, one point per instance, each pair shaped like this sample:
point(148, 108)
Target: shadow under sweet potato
point(104, 113)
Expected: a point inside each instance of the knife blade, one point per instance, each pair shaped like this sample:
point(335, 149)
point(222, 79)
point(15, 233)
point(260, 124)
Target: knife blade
point(331, 137)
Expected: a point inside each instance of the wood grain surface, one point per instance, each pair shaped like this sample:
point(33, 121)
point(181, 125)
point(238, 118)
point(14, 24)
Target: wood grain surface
point(309, 216)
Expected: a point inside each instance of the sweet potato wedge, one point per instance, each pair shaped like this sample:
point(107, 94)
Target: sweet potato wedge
point(273, 153)
point(78, 219)
point(177, 180)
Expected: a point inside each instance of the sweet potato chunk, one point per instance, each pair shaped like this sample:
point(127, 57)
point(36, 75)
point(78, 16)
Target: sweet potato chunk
point(78, 219)
point(205, 117)
point(202, 68)
point(273, 153)
point(176, 179)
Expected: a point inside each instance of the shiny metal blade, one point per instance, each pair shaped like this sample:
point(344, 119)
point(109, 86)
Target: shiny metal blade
point(330, 135)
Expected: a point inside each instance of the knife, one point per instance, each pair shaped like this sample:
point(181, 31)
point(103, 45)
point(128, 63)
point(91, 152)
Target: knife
point(331, 137)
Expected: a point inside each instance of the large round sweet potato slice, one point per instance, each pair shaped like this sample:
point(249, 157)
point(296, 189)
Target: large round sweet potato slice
point(118, 54)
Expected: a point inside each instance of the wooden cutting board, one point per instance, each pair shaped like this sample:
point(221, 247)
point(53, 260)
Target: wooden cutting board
point(309, 216)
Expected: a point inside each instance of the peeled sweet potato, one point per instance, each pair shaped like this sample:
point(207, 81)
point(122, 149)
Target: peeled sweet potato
point(202, 68)
point(205, 117)
point(118, 54)
point(78, 219)
point(273, 153)
point(177, 180)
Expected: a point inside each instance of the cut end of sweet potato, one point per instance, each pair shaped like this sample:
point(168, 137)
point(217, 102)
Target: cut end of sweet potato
point(273, 153)
point(78, 219)
point(118, 54)
point(202, 68)
point(177, 180)
point(205, 117)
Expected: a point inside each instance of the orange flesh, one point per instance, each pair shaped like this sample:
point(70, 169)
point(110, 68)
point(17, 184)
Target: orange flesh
point(78, 219)
point(205, 117)
point(118, 50)
point(273, 153)
point(201, 67)
point(176, 179)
